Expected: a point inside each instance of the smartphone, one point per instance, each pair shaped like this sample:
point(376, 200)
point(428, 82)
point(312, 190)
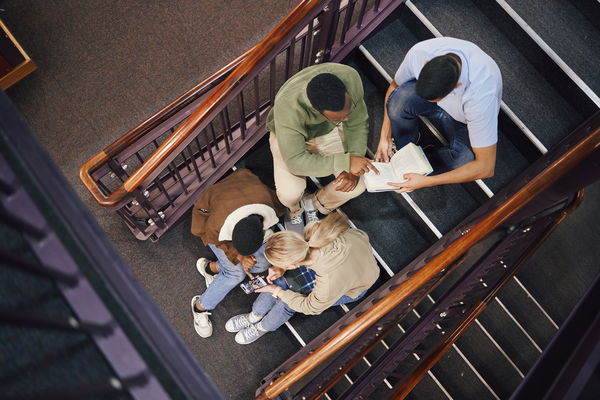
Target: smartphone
point(256, 283)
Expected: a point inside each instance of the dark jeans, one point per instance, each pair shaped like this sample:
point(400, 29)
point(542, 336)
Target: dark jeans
point(403, 108)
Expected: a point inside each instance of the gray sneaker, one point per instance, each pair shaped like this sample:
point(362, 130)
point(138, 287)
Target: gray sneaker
point(242, 321)
point(294, 223)
point(201, 267)
point(249, 334)
point(310, 212)
point(202, 324)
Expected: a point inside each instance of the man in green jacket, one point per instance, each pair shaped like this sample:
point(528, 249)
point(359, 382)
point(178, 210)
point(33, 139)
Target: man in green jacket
point(318, 127)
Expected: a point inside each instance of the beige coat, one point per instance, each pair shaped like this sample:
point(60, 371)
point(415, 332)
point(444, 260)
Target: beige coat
point(228, 201)
point(346, 267)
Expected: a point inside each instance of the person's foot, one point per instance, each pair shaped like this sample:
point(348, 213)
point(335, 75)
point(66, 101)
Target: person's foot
point(202, 324)
point(242, 321)
point(202, 265)
point(249, 334)
point(294, 222)
point(310, 212)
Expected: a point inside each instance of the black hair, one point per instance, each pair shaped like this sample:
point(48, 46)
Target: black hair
point(248, 234)
point(326, 92)
point(438, 77)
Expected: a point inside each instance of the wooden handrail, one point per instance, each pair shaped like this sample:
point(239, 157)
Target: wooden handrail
point(212, 102)
point(491, 221)
point(86, 170)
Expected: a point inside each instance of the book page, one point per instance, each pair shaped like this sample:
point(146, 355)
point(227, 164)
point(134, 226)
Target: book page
point(409, 159)
point(379, 182)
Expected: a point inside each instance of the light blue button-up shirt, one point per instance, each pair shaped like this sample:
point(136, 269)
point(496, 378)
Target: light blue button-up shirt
point(476, 102)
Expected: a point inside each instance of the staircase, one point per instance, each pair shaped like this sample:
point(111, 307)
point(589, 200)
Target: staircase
point(550, 84)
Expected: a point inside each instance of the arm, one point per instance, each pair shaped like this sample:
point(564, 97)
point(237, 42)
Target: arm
point(384, 149)
point(292, 144)
point(482, 167)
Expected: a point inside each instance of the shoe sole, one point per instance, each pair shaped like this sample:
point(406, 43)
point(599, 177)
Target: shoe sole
point(194, 319)
point(200, 267)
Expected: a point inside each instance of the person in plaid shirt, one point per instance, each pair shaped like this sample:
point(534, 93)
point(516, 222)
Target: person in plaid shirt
point(344, 268)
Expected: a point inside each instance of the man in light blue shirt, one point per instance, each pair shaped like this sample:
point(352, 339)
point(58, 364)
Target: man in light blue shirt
point(457, 86)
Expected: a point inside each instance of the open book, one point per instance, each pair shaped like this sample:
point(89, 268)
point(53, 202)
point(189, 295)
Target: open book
point(408, 159)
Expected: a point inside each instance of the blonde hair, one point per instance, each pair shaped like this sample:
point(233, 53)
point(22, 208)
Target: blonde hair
point(285, 249)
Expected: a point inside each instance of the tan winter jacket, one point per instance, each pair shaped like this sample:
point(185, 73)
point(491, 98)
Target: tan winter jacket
point(346, 267)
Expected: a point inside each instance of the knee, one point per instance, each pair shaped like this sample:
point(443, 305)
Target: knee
point(399, 101)
point(236, 273)
point(289, 197)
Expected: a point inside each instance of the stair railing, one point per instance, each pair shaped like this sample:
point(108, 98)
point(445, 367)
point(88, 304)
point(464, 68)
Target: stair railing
point(368, 323)
point(153, 175)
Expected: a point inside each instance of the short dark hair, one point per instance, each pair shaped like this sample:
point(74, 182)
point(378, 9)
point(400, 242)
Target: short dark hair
point(438, 77)
point(248, 235)
point(326, 92)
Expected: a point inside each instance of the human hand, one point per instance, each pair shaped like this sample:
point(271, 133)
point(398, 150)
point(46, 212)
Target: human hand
point(274, 273)
point(360, 165)
point(346, 182)
point(413, 182)
point(247, 264)
point(273, 289)
point(384, 149)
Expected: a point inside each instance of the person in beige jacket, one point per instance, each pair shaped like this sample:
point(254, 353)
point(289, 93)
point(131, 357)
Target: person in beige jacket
point(344, 267)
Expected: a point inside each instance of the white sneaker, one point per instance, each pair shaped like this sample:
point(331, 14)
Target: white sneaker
point(249, 334)
point(294, 223)
point(202, 324)
point(310, 212)
point(201, 267)
point(239, 322)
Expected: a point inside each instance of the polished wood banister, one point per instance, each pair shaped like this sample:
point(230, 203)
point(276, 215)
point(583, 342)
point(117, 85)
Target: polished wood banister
point(426, 364)
point(210, 105)
point(491, 221)
point(86, 170)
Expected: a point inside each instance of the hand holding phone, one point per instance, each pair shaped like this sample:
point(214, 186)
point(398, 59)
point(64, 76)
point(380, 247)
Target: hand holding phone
point(252, 285)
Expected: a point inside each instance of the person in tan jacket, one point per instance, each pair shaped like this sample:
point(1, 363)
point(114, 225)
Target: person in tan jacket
point(231, 218)
point(344, 267)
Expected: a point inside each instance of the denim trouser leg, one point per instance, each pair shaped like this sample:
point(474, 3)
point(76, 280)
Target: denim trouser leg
point(404, 107)
point(230, 275)
point(276, 312)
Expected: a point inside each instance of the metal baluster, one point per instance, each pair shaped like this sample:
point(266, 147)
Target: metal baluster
point(186, 161)
point(103, 187)
point(273, 79)
point(229, 130)
point(309, 44)
point(242, 107)
point(154, 216)
point(289, 59)
point(193, 158)
point(162, 188)
point(140, 159)
point(302, 52)
point(376, 6)
point(176, 170)
point(361, 15)
point(347, 20)
point(208, 147)
point(225, 127)
point(257, 100)
point(200, 152)
point(214, 135)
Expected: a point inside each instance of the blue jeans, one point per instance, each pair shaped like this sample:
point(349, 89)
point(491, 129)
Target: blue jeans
point(230, 275)
point(276, 312)
point(403, 108)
